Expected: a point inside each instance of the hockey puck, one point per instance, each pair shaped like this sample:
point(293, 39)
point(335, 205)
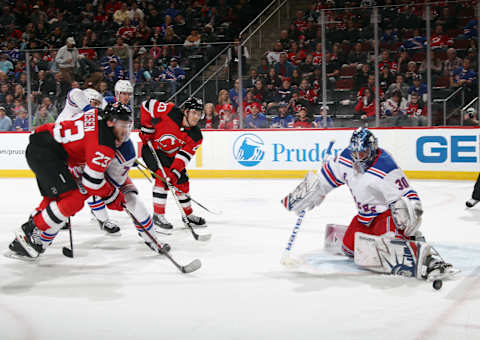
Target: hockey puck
point(437, 284)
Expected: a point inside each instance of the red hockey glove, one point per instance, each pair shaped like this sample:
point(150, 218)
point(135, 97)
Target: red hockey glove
point(115, 200)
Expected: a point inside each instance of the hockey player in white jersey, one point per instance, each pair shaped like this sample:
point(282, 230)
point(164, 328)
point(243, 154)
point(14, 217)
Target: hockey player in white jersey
point(118, 168)
point(79, 101)
point(388, 209)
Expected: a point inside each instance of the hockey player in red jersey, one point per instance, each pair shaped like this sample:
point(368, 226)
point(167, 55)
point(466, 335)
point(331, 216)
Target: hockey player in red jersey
point(69, 159)
point(175, 136)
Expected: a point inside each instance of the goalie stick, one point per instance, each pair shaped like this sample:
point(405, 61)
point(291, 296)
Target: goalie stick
point(287, 259)
point(201, 237)
point(189, 268)
point(214, 212)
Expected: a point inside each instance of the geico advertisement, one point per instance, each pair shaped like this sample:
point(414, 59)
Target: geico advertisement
point(446, 150)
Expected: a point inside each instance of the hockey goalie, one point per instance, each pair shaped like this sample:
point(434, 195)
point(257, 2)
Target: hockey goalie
point(384, 236)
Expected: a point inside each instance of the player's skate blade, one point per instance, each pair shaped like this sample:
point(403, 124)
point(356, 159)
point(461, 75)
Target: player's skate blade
point(109, 227)
point(161, 222)
point(471, 202)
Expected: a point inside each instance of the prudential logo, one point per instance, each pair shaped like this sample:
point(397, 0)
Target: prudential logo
point(248, 149)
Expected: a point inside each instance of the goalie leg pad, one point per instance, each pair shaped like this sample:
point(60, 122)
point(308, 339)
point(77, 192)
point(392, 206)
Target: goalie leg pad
point(389, 255)
point(334, 234)
point(380, 225)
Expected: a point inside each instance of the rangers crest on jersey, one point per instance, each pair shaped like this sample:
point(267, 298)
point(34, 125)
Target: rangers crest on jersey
point(170, 143)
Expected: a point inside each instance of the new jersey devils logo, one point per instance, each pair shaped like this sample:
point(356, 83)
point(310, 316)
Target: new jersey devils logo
point(169, 143)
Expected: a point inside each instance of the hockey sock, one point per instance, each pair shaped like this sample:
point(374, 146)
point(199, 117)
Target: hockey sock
point(98, 208)
point(185, 202)
point(159, 198)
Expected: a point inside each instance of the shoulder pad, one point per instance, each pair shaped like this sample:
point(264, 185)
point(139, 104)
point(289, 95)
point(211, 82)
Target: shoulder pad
point(176, 115)
point(195, 133)
point(127, 150)
point(385, 162)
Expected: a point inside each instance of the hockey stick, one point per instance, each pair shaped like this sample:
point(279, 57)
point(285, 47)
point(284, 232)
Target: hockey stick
point(287, 260)
point(189, 268)
point(203, 237)
point(68, 252)
point(215, 212)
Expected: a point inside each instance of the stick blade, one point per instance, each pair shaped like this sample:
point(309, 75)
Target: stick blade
point(192, 266)
point(203, 237)
point(67, 252)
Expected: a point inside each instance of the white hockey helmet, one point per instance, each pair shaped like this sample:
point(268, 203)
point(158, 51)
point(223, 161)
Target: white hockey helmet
point(92, 94)
point(123, 86)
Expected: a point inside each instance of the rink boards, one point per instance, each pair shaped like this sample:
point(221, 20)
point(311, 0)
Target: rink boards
point(423, 153)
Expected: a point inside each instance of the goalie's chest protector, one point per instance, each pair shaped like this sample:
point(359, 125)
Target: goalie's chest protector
point(375, 189)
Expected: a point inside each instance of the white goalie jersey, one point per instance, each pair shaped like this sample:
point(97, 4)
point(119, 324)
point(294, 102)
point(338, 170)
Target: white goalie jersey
point(382, 184)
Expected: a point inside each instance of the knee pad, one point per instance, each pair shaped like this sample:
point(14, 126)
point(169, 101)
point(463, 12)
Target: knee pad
point(185, 187)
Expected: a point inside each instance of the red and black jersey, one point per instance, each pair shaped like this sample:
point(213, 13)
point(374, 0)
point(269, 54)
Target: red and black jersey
point(90, 146)
point(161, 123)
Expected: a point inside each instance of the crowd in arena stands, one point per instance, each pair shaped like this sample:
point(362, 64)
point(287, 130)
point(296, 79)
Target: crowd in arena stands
point(285, 90)
point(67, 41)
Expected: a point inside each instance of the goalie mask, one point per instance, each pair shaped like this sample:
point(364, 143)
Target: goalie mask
point(363, 147)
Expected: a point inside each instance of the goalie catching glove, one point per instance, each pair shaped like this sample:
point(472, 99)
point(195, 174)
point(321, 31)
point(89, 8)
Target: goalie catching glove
point(407, 215)
point(307, 195)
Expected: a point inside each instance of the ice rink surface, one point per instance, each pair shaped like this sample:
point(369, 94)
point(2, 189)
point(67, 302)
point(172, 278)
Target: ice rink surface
point(116, 288)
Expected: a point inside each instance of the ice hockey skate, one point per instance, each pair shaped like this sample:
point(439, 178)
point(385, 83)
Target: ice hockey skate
point(27, 245)
point(161, 222)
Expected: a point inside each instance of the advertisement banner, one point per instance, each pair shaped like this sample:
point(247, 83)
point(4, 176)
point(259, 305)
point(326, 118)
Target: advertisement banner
point(452, 153)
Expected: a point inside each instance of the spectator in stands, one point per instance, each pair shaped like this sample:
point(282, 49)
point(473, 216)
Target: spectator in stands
point(362, 77)
point(284, 39)
point(9, 104)
point(21, 122)
point(256, 120)
point(389, 35)
point(283, 120)
point(452, 63)
point(302, 120)
point(5, 121)
point(113, 72)
point(324, 121)
point(417, 42)
point(61, 88)
point(42, 117)
point(387, 62)
point(233, 59)
point(463, 76)
point(307, 93)
point(259, 93)
point(229, 121)
point(357, 55)
point(395, 106)
point(103, 89)
point(403, 60)
point(306, 68)
point(366, 105)
point(273, 56)
point(223, 99)
point(419, 88)
point(296, 79)
point(121, 14)
point(439, 40)
point(66, 59)
point(470, 31)
point(436, 66)
point(192, 42)
point(284, 93)
point(234, 94)
point(51, 109)
point(273, 81)
point(263, 68)
point(121, 51)
point(4, 91)
point(415, 111)
point(6, 65)
point(210, 121)
point(249, 103)
point(249, 83)
point(284, 68)
point(173, 74)
point(470, 117)
point(412, 72)
point(386, 78)
point(398, 86)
